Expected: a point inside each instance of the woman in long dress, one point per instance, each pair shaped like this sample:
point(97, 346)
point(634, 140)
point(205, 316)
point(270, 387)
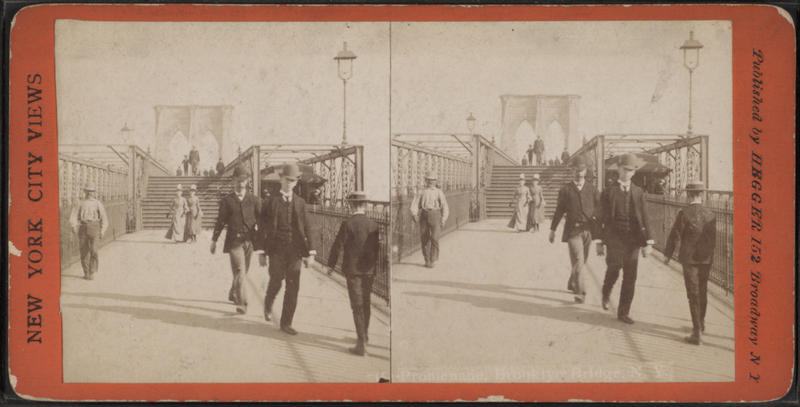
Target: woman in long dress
point(536, 211)
point(522, 195)
point(194, 219)
point(177, 212)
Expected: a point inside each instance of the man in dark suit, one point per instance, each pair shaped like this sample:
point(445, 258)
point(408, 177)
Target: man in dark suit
point(238, 210)
point(220, 167)
point(625, 230)
point(186, 165)
point(538, 149)
point(194, 160)
point(285, 236)
point(576, 201)
point(565, 157)
point(359, 237)
point(529, 152)
point(695, 232)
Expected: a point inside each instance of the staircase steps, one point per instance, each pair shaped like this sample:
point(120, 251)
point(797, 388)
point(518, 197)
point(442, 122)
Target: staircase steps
point(505, 178)
point(161, 191)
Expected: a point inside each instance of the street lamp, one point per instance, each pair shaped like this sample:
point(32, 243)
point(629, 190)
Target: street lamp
point(470, 122)
point(126, 133)
point(344, 60)
point(691, 60)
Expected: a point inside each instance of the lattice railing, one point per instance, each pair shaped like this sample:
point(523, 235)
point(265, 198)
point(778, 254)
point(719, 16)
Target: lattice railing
point(409, 166)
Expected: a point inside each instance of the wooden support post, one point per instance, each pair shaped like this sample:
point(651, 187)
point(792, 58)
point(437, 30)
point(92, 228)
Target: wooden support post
point(359, 175)
point(256, 160)
point(704, 160)
point(600, 158)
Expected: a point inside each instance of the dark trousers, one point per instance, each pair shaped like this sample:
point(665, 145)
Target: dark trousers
point(284, 265)
point(359, 287)
point(89, 238)
point(186, 169)
point(539, 159)
point(430, 228)
point(696, 278)
point(578, 244)
point(622, 253)
point(240, 253)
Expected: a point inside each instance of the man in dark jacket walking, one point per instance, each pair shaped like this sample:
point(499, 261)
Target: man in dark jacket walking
point(238, 211)
point(695, 231)
point(359, 238)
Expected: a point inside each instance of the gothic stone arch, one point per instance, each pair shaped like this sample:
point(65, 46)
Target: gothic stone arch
point(539, 110)
point(193, 121)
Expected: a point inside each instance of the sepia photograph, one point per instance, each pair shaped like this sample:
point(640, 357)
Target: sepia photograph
point(224, 201)
point(544, 174)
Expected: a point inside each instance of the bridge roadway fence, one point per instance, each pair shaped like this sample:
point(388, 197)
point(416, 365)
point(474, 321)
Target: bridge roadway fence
point(405, 232)
point(326, 221)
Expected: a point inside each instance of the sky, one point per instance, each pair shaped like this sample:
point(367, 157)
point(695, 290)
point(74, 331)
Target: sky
point(280, 78)
point(629, 75)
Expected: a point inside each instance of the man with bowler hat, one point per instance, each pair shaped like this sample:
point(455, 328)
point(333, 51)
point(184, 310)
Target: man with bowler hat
point(577, 201)
point(359, 238)
point(285, 236)
point(695, 232)
point(89, 222)
point(238, 211)
point(220, 167)
point(538, 149)
point(625, 230)
point(430, 209)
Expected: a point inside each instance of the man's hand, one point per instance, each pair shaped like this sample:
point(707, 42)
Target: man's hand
point(442, 222)
point(262, 260)
point(308, 261)
point(213, 247)
point(647, 250)
point(601, 250)
point(75, 230)
point(552, 236)
point(414, 218)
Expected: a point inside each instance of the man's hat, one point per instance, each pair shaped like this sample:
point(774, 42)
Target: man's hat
point(240, 173)
point(180, 188)
point(89, 186)
point(220, 158)
point(536, 176)
point(522, 176)
point(358, 196)
point(431, 175)
point(630, 161)
point(695, 186)
point(291, 171)
point(193, 188)
point(579, 163)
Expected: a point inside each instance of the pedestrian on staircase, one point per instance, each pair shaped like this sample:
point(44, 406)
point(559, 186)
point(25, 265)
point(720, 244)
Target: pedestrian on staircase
point(359, 238)
point(194, 160)
point(238, 211)
point(522, 197)
point(186, 165)
point(695, 232)
point(529, 153)
point(89, 221)
point(177, 211)
point(194, 219)
point(430, 209)
point(565, 157)
point(577, 201)
point(538, 149)
point(220, 167)
point(537, 204)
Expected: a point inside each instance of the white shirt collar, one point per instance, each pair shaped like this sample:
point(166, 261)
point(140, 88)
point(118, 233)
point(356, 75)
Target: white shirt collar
point(287, 195)
point(626, 184)
point(240, 195)
point(359, 213)
point(580, 186)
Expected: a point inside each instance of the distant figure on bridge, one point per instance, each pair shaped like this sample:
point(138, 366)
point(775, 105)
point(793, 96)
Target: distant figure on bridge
point(538, 149)
point(238, 211)
point(529, 153)
point(522, 197)
point(284, 234)
point(625, 230)
point(430, 209)
point(205, 173)
point(577, 201)
point(179, 172)
point(194, 219)
point(550, 162)
point(194, 160)
point(565, 157)
point(359, 237)
point(177, 211)
point(186, 165)
point(89, 222)
point(220, 167)
point(211, 172)
point(556, 161)
point(695, 232)
point(524, 161)
point(536, 210)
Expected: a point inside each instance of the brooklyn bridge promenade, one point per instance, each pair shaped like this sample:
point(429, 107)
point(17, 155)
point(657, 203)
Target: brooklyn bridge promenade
point(496, 309)
point(157, 312)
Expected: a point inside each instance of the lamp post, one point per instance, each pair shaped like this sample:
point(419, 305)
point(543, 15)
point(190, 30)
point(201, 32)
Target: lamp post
point(344, 60)
point(470, 122)
point(691, 60)
point(126, 133)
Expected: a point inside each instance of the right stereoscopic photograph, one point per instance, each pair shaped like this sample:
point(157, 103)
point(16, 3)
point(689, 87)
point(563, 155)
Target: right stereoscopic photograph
point(562, 202)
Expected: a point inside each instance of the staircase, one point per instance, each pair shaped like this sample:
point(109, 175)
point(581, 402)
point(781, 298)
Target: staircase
point(161, 191)
point(505, 178)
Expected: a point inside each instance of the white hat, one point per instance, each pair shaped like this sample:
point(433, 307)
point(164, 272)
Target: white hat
point(193, 187)
point(536, 176)
point(522, 176)
point(180, 188)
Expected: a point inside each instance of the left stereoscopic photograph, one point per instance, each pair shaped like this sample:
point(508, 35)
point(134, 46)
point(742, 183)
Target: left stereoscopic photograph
point(224, 201)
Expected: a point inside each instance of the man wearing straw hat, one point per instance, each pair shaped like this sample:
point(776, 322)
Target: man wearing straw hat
point(576, 203)
point(429, 208)
point(625, 230)
point(284, 234)
point(358, 236)
point(239, 211)
point(89, 222)
point(695, 231)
